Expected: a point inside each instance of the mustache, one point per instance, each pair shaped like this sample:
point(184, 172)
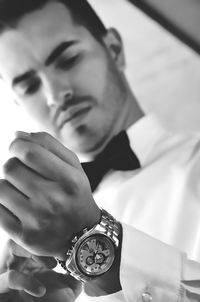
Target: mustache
point(66, 104)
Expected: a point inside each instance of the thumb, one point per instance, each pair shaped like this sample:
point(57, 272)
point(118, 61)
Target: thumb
point(17, 250)
point(20, 281)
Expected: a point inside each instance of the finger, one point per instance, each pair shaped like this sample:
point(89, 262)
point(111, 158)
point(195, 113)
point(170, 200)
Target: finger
point(23, 178)
point(19, 251)
point(48, 262)
point(42, 161)
point(20, 281)
point(10, 223)
point(56, 281)
point(16, 250)
point(14, 200)
point(48, 142)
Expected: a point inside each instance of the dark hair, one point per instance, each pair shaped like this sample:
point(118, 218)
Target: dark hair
point(11, 11)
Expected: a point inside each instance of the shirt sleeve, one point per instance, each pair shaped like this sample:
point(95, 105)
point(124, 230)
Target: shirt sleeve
point(154, 271)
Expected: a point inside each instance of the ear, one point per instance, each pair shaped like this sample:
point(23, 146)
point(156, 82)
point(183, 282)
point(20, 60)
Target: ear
point(114, 44)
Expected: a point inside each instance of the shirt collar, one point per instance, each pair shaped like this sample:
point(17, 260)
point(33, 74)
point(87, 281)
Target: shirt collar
point(144, 136)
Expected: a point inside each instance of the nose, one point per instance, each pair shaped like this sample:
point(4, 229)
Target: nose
point(58, 94)
point(60, 98)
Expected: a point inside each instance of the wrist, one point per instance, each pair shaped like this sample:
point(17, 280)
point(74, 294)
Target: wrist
point(94, 219)
point(96, 252)
point(108, 283)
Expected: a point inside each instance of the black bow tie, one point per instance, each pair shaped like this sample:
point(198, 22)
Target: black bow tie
point(117, 156)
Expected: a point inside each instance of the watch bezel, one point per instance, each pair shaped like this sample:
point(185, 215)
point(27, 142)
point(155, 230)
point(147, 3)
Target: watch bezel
point(106, 265)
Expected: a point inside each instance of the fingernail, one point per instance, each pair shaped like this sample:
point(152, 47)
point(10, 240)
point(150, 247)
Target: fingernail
point(22, 134)
point(41, 291)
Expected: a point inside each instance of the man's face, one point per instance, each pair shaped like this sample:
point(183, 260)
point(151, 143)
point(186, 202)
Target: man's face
point(62, 77)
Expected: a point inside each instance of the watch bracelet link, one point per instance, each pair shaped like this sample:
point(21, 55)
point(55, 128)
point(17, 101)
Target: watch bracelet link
point(108, 226)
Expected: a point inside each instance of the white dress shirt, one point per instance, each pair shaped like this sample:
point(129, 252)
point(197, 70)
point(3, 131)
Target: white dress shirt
point(159, 200)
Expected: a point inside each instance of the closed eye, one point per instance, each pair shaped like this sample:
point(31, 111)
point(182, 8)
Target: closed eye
point(64, 63)
point(28, 87)
point(33, 86)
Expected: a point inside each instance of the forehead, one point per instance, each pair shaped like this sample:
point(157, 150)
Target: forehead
point(36, 35)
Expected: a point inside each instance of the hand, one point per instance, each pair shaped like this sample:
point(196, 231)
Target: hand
point(24, 276)
point(45, 197)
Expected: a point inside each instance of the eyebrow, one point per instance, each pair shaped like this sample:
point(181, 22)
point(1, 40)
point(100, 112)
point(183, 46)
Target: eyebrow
point(23, 77)
point(51, 58)
point(58, 51)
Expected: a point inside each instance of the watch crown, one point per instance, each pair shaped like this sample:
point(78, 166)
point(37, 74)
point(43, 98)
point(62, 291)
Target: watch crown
point(74, 239)
point(69, 252)
point(85, 231)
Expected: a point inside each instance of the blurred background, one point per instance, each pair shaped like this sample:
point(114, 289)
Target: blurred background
point(163, 72)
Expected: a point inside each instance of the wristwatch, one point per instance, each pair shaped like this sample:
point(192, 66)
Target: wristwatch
point(93, 251)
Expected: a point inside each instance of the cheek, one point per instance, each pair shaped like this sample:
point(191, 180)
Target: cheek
point(90, 77)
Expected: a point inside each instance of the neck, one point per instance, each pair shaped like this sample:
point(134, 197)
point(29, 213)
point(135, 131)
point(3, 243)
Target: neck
point(131, 114)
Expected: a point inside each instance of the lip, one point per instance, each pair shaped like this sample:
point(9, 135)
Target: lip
point(74, 115)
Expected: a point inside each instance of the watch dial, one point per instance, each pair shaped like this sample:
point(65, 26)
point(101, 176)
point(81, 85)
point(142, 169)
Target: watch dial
point(95, 255)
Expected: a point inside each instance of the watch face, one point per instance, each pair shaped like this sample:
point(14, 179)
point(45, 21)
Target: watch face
point(95, 255)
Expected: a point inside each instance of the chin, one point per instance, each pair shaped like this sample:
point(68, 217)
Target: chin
point(74, 139)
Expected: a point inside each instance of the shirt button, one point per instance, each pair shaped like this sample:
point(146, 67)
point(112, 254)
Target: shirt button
point(146, 297)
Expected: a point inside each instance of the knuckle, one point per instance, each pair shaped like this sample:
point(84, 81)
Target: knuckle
point(46, 139)
point(47, 217)
point(75, 179)
point(10, 166)
point(75, 183)
point(56, 197)
point(43, 136)
point(29, 154)
point(12, 278)
point(10, 245)
point(75, 157)
point(56, 208)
